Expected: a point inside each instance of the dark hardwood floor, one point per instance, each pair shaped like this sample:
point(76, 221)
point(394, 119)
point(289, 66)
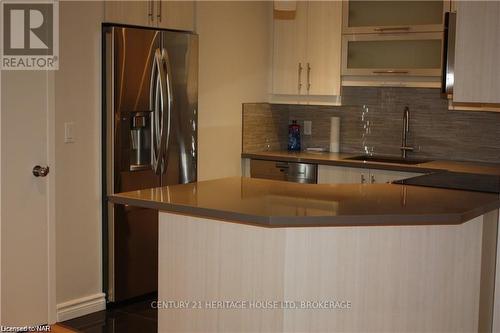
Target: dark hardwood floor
point(137, 316)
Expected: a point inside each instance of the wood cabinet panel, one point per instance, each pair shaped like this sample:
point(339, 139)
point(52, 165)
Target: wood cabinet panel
point(177, 15)
point(477, 49)
point(387, 176)
point(306, 50)
point(342, 175)
point(324, 47)
point(289, 52)
point(129, 12)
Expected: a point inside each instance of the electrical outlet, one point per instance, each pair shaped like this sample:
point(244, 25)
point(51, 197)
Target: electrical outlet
point(307, 127)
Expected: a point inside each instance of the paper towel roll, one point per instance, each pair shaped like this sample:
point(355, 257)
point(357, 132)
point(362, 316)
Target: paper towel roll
point(334, 134)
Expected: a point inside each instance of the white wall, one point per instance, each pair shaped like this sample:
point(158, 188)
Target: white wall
point(78, 98)
point(234, 64)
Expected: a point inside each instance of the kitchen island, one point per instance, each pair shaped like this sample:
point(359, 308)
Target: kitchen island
point(253, 255)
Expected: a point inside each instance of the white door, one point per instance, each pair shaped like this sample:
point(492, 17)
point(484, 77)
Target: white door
point(27, 237)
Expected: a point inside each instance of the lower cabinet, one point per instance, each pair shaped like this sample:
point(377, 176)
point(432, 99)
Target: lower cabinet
point(342, 175)
point(345, 175)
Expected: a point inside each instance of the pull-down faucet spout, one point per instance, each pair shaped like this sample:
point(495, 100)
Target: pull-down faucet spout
point(406, 130)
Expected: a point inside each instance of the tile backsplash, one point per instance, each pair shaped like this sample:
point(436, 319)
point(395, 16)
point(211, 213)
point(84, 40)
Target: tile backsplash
point(371, 120)
point(264, 128)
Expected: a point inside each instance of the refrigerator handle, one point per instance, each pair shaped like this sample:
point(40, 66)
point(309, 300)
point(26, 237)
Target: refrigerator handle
point(160, 119)
point(167, 77)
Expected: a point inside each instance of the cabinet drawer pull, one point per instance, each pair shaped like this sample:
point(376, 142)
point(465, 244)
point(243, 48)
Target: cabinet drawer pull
point(300, 77)
point(159, 10)
point(150, 10)
point(308, 77)
point(392, 29)
point(390, 71)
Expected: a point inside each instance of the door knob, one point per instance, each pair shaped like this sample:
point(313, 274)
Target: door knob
point(40, 171)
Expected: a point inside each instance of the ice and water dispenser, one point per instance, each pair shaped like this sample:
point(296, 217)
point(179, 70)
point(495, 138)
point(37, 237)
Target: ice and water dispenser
point(140, 140)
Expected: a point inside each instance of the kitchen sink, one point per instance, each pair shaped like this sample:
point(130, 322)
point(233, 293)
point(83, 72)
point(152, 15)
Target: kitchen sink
point(387, 159)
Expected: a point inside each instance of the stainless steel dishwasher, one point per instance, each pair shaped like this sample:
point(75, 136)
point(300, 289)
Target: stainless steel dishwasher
point(288, 171)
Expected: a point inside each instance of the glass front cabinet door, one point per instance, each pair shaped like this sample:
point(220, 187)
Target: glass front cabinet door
point(393, 16)
point(401, 54)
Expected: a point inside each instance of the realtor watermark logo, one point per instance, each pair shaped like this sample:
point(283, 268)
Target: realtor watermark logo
point(30, 35)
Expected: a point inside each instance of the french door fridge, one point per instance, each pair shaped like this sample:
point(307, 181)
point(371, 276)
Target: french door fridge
point(150, 100)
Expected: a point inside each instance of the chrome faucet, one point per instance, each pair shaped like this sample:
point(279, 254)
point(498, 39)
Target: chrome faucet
point(406, 129)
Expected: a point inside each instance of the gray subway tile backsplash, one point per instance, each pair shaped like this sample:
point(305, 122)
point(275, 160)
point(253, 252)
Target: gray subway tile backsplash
point(371, 119)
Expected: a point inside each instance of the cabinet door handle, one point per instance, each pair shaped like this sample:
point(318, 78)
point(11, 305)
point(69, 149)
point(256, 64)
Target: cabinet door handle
point(300, 77)
point(150, 10)
point(363, 179)
point(392, 29)
point(308, 77)
point(158, 15)
point(372, 179)
point(390, 71)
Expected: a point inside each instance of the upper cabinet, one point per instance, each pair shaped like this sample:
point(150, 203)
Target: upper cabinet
point(129, 12)
point(159, 14)
point(392, 54)
point(394, 16)
point(306, 50)
point(393, 43)
point(477, 50)
point(177, 15)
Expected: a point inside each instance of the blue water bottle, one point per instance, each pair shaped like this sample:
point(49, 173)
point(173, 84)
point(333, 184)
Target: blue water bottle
point(294, 136)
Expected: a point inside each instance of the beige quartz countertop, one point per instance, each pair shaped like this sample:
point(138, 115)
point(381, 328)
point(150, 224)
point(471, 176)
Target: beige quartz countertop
point(271, 203)
point(340, 159)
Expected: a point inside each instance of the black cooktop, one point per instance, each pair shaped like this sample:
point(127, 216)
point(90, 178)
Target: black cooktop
point(456, 181)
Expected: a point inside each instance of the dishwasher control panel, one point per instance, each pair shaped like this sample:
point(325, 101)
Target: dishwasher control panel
point(288, 171)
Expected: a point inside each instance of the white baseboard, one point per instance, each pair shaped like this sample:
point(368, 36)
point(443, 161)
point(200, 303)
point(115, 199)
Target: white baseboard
point(81, 307)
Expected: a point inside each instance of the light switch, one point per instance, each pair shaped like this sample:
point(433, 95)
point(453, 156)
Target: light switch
point(69, 132)
point(307, 127)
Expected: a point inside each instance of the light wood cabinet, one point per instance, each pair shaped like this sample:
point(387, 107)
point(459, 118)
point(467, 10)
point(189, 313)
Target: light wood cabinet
point(129, 12)
point(306, 50)
point(342, 175)
point(387, 176)
point(289, 45)
point(346, 175)
point(477, 50)
point(176, 15)
point(159, 14)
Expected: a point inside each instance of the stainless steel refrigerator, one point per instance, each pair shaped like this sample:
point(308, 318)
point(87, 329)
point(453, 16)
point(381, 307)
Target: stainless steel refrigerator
point(150, 101)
